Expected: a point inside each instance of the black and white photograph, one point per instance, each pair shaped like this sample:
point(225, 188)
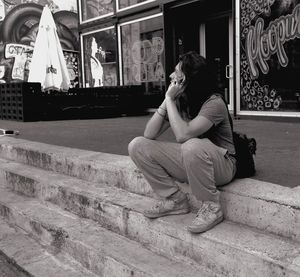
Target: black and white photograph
point(149, 138)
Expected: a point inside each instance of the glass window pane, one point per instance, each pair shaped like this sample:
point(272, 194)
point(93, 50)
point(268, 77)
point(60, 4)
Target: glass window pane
point(91, 9)
point(100, 67)
point(127, 3)
point(72, 58)
point(143, 54)
point(270, 56)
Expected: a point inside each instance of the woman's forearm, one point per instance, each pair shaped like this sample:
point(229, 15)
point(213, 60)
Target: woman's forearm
point(157, 124)
point(178, 125)
point(185, 130)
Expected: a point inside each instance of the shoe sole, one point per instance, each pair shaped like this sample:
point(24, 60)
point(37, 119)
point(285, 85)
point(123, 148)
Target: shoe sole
point(196, 230)
point(176, 212)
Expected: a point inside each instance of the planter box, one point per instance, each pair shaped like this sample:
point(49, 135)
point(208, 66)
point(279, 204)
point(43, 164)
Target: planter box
point(20, 101)
point(26, 102)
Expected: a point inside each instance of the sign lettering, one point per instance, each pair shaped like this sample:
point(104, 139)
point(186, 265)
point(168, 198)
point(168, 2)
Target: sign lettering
point(51, 69)
point(261, 44)
point(22, 55)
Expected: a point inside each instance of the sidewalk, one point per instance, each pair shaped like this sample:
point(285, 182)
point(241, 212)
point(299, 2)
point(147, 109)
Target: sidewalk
point(278, 147)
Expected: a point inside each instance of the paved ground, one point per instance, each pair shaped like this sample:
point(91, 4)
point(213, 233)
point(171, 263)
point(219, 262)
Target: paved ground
point(277, 159)
point(9, 270)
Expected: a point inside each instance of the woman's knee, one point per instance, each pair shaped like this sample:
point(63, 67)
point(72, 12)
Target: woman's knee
point(194, 149)
point(137, 144)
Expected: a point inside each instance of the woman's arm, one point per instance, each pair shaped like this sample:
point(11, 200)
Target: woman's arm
point(157, 124)
point(183, 130)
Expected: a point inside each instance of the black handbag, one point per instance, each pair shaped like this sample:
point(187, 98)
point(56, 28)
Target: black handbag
point(245, 149)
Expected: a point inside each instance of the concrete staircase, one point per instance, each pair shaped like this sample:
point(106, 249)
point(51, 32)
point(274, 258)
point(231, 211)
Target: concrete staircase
point(70, 212)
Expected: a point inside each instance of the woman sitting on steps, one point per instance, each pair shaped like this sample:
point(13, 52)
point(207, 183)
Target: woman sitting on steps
point(203, 155)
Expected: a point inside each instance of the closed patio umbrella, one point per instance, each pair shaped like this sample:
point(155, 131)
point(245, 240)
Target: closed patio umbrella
point(48, 65)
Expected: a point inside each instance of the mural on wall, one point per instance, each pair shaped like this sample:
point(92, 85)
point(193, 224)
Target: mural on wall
point(19, 21)
point(270, 61)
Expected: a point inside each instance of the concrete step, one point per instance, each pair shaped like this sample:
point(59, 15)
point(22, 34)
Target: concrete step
point(7, 269)
point(229, 249)
point(262, 205)
point(24, 257)
point(99, 250)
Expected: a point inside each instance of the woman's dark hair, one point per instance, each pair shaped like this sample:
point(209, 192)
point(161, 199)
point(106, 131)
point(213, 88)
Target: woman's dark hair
point(199, 83)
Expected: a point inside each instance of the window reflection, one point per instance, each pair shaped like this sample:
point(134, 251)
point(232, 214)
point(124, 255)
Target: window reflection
point(100, 68)
point(91, 9)
point(127, 3)
point(143, 54)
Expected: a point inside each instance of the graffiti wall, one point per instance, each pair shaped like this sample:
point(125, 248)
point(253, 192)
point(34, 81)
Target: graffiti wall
point(270, 55)
point(19, 21)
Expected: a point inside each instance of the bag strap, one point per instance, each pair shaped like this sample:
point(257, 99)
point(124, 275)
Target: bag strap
point(229, 116)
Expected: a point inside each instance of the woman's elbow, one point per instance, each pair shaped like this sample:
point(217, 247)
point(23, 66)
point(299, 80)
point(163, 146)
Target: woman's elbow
point(148, 135)
point(181, 138)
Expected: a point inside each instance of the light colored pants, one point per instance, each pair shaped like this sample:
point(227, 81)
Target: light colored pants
point(198, 162)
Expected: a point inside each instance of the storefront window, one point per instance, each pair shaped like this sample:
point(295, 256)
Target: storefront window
point(142, 55)
point(270, 55)
point(72, 58)
point(99, 59)
point(92, 9)
point(122, 4)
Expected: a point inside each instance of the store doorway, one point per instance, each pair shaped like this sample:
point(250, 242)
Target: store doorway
point(209, 32)
point(218, 50)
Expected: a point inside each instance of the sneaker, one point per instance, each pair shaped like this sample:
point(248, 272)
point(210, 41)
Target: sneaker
point(175, 204)
point(209, 215)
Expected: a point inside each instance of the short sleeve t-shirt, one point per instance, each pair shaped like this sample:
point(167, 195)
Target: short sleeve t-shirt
point(214, 110)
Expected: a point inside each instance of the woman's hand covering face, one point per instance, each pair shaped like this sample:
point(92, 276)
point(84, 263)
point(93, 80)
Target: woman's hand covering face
point(174, 90)
point(176, 86)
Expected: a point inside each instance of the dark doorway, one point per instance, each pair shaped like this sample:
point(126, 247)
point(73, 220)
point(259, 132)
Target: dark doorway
point(182, 21)
point(217, 51)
